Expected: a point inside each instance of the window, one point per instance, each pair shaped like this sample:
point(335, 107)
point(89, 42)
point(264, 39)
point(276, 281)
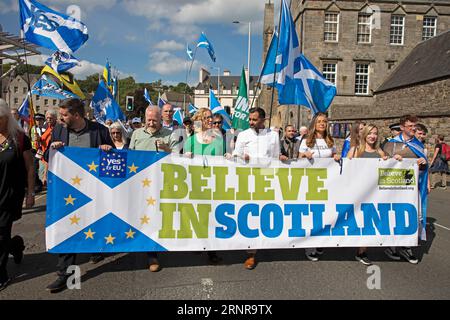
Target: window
point(364, 27)
point(397, 29)
point(16, 100)
point(429, 28)
point(329, 72)
point(46, 102)
point(390, 65)
point(16, 89)
point(54, 102)
point(24, 90)
point(37, 98)
point(362, 78)
point(331, 27)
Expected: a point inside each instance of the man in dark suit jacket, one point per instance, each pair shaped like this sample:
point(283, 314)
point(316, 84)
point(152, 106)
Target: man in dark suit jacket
point(75, 131)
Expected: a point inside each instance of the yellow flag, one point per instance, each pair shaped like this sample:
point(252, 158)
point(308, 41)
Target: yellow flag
point(67, 80)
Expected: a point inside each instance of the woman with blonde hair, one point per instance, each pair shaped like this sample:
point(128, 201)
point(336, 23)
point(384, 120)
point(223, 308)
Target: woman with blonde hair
point(368, 148)
point(318, 144)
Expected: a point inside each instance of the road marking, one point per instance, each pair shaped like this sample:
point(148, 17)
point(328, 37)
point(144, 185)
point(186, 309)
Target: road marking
point(207, 284)
point(441, 226)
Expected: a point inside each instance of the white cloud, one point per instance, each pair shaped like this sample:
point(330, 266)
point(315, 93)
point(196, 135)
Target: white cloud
point(61, 5)
point(169, 45)
point(131, 38)
point(166, 63)
point(11, 6)
point(184, 19)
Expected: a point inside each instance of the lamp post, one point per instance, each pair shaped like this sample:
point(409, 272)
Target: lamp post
point(248, 56)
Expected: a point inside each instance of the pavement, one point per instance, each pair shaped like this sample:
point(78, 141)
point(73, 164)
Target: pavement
point(279, 275)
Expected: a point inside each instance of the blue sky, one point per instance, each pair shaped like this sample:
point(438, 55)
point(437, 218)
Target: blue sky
point(147, 38)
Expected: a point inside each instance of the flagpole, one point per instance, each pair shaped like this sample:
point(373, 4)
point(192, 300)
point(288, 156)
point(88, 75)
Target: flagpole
point(29, 90)
point(187, 76)
point(275, 63)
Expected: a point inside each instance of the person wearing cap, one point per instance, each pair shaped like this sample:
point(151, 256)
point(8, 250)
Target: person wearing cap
point(136, 123)
point(395, 131)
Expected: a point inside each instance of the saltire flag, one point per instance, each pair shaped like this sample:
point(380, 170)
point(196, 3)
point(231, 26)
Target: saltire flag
point(178, 116)
point(297, 80)
point(241, 109)
point(203, 42)
point(46, 87)
point(86, 208)
point(66, 80)
point(192, 109)
point(115, 87)
point(24, 109)
point(147, 97)
point(61, 61)
point(161, 102)
point(104, 105)
point(217, 108)
point(189, 52)
point(50, 29)
point(270, 69)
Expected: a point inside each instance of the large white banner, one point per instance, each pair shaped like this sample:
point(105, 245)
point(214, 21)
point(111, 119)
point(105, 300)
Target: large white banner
point(143, 201)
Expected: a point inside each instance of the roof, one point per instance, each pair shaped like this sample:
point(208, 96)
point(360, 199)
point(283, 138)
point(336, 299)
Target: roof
point(428, 61)
point(227, 82)
point(176, 98)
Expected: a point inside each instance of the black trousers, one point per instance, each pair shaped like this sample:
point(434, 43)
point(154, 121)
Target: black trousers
point(65, 260)
point(5, 240)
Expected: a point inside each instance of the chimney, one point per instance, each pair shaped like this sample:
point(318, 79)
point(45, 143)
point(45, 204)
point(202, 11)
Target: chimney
point(203, 74)
point(226, 73)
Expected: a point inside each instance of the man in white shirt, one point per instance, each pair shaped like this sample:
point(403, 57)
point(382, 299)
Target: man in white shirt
point(257, 142)
point(252, 145)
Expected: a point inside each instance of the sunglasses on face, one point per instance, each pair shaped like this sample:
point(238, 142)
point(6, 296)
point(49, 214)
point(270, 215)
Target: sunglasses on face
point(217, 122)
point(116, 133)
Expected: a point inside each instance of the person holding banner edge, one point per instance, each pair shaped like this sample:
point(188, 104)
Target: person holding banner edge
point(75, 131)
point(367, 148)
point(318, 144)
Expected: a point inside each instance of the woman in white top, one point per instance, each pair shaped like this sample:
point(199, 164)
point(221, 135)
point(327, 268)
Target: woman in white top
point(318, 144)
point(118, 136)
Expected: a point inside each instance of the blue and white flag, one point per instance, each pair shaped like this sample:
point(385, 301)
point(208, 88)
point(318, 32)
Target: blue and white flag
point(203, 42)
point(178, 116)
point(50, 29)
point(115, 87)
point(189, 52)
point(61, 61)
point(104, 105)
point(161, 102)
point(216, 108)
point(91, 196)
point(192, 109)
point(418, 149)
point(269, 73)
point(24, 109)
point(297, 80)
point(147, 97)
point(45, 87)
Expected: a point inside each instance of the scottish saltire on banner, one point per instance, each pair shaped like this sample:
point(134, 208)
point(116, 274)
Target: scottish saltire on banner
point(104, 105)
point(161, 101)
point(192, 109)
point(298, 81)
point(203, 42)
point(67, 80)
point(241, 109)
point(46, 87)
point(50, 29)
point(189, 52)
point(215, 107)
point(125, 201)
point(61, 61)
point(147, 97)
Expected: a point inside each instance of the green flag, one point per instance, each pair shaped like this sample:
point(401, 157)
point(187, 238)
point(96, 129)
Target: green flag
point(240, 116)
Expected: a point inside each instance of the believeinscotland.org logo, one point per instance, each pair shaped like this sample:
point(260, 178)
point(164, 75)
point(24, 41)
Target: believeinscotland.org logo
point(396, 178)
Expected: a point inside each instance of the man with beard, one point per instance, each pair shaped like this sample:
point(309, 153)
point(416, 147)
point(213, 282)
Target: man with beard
point(75, 131)
point(289, 144)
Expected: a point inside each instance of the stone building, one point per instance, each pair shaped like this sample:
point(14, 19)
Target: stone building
point(229, 88)
point(16, 90)
point(356, 45)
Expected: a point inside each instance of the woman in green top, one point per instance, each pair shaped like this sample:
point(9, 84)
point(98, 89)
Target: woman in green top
point(206, 141)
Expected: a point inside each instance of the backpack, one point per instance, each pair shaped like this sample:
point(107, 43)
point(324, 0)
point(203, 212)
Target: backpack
point(445, 152)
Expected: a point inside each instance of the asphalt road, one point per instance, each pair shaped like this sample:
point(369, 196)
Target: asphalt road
point(279, 275)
